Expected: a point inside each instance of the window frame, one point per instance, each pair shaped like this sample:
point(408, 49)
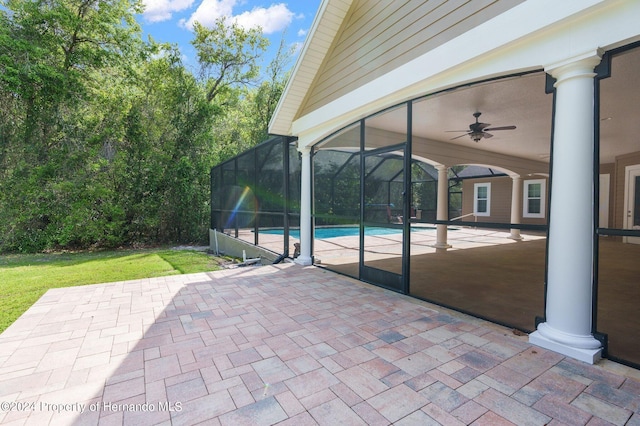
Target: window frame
point(525, 198)
point(476, 186)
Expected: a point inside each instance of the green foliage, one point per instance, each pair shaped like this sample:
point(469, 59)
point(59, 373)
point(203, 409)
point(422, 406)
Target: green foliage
point(228, 55)
point(107, 140)
point(25, 278)
point(245, 119)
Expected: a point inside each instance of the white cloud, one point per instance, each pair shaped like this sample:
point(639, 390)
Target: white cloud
point(302, 32)
point(209, 11)
point(162, 10)
point(271, 19)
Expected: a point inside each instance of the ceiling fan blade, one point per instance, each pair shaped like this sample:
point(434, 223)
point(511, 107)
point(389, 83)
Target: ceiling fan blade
point(461, 136)
point(501, 128)
point(482, 126)
point(457, 131)
point(487, 135)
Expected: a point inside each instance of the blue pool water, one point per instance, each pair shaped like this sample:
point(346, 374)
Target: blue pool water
point(341, 231)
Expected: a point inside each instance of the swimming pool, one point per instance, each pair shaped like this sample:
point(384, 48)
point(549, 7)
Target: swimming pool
point(343, 231)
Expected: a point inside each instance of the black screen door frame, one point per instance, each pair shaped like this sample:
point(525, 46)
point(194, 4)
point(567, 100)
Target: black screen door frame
point(381, 277)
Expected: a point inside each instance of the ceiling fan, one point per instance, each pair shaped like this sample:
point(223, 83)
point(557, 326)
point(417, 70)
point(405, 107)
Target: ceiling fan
point(479, 130)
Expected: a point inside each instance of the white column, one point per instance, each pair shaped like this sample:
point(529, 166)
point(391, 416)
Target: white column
point(305, 208)
point(516, 205)
point(570, 266)
point(442, 207)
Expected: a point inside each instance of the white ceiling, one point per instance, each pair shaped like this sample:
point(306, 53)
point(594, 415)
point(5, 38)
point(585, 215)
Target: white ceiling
point(522, 101)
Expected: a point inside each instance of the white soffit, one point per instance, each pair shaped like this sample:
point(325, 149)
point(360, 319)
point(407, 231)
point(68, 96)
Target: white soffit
point(323, 31)
point(525, 40)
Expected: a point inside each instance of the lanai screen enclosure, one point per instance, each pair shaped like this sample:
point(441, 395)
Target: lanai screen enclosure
point(485, 254)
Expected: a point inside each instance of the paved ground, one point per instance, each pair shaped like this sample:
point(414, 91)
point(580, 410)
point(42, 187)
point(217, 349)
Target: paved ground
point(286, 345)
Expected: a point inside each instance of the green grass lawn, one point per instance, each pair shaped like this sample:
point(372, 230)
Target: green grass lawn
point(25, 278)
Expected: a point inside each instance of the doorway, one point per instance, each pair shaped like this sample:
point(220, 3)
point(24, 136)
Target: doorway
point(632, 201)
point(383, 232)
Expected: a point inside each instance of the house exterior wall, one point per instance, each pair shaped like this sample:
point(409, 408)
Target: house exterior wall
point(500, 201)
point(501, 195)
point(379, 36)
point(435, 152)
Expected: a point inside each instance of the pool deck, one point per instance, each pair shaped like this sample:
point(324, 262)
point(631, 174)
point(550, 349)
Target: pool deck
point(290, 345)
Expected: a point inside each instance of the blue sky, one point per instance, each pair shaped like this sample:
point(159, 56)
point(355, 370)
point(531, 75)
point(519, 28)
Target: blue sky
point(171, 20)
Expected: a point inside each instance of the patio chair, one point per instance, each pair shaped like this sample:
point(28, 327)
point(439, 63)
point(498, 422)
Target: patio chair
point(391, 218)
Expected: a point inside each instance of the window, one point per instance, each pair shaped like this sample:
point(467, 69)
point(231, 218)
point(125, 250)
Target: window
point(482, 199)
point(533, 200)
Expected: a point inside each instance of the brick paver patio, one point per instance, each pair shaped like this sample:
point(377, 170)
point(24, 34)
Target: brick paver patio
point(286, 345)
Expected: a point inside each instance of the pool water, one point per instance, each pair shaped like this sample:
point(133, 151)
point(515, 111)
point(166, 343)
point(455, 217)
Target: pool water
point(343, 231)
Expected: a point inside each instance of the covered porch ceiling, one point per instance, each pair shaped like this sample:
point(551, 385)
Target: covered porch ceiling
point(521, 101)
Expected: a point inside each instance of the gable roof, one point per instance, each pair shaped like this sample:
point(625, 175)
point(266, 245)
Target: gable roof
point(352, 42)
point(341, 75)
point(319, 40)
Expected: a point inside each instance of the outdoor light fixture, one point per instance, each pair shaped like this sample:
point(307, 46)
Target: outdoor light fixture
point(479, 130)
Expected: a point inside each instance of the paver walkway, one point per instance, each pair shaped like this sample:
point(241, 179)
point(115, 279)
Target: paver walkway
point(286, 345)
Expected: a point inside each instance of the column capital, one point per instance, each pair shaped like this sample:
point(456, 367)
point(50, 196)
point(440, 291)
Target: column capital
point(441, 167)
point(581, 65)
point(304, 150)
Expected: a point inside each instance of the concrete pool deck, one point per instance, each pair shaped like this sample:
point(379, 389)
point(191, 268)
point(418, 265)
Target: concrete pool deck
point(286, 344)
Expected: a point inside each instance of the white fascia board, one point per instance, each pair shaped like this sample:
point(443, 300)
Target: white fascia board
point(303, 63)
point(296, 67)
point(528, 39)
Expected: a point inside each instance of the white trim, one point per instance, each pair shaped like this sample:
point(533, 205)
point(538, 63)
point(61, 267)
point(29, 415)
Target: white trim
point(330, 15)
point(588, 355)
point(528, 40)
point(526, 198)
point(476, 186)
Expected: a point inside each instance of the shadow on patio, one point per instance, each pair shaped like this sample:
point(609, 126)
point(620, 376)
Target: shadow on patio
point(286, 344)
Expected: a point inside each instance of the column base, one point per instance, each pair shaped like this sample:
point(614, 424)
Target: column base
point(516, 237)
point(304, 260)
point(442, 246)
point(588, 355)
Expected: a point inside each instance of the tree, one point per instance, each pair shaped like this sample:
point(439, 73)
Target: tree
point(243, 119)
point(53, 54)
point(266, 97)
point(228, 55)
point(106, 140)
point(51, 49)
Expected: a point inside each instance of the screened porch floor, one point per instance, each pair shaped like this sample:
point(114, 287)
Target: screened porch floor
point(487, 274)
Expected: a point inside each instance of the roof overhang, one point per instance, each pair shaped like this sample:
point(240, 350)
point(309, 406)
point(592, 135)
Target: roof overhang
point(527, 40)
point(320, 37)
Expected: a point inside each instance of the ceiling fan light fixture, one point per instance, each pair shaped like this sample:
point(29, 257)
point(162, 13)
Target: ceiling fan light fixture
point(479, 130)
